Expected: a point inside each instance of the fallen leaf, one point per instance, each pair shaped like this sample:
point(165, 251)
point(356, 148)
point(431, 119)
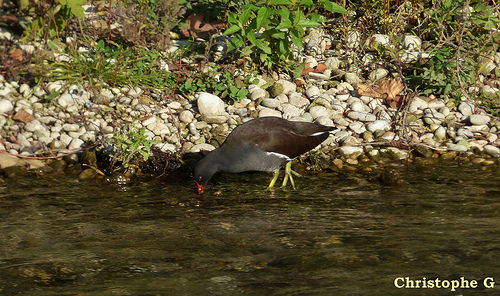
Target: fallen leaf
point(320, 68)
point(23, 116)
point(16, 55)
point(389, 90)
point(196, 29)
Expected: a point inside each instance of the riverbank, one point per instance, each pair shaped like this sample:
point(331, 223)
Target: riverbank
point(378, 119)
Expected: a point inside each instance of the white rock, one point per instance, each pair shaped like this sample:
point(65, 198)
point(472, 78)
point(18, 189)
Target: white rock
point(492, 150)
point(357, 127)
point(440, 133)
point(318, 111)
point(298, 100)
point(288, 86)
point(350, 150)
point(271, 103)
point(313, 91)
point(209, 104)
point(186, 116)
point(361, 116)
point(466, 108)
point(479, 119)
point(5, 91)
point(166, 147)
point(378, 125)
point(378, 74)
point(203, 146)
point(6, 106)
point(71, 127)
point(135, 92)
point(357, 106)
point(75, 144)
point(412, 42)
point(436, 104)
point(264, 112)
point(417, 104)
point(290, 111)
point(151, 120)
point(66, 100)
point(174, 105)
point(456, 147)
point(324, 120)
point(332, 63)
point(353, 39)
point(258, 93)
point(107, 93)
point(34, 125)
point(381, 39)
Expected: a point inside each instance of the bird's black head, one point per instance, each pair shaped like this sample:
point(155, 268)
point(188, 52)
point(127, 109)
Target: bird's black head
point(204, 171)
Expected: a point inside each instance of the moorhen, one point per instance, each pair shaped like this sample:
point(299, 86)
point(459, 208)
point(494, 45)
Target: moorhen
point(261, 144)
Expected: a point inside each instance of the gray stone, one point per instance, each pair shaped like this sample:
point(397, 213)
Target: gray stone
point(479, 119)
point(318, 111)
point(271, 103)
point(417, 104)
point(298, 100)
point(313, 91)
point(75, 144)
point(378, 125)
point(215, 118)
point(412, 42)
point(378, 74)
point(264, 112)
point(166, 147)
point(381, 39)
point(456, 147)
point(290, 110)
point(361, 116)
point(288, 87)
point(70, 127)
point(332, 63)
point(209, 105)
point(492, 150)
point(6, 106)
point(186, 116)
point(324, 120)
point(466, 108)
point(350, 151)
point(357, 127)
point(440, 133)
point(258, 93)
point(353, 39)
point(34, 125)
point(352, 78)
point(202, 147)
point(436, 104)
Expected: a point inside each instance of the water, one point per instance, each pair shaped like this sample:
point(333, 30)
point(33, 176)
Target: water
point(335, 235)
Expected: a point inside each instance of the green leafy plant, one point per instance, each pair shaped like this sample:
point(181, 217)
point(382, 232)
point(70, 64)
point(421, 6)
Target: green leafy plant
point(268, 30)
point(130, 145)
point(221, 83)
point(49, 18)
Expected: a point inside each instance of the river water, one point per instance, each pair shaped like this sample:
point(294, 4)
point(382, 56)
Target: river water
point(335, 235)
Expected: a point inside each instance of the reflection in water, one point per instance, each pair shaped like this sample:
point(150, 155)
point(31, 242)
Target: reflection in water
point(344, 235)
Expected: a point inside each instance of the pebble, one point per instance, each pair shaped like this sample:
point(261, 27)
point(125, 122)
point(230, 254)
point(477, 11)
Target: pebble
point(290, 111)
point(6, 106)
point(75, 144)
point(271, 103)
point(209, 104)
point(456, 147)
point(318, 111)
point(479, 119)
point(201, 147)
point(378, 125)
point(186, 116)
point(361, 116)
point(298, 100)
point(350, 151)
point(288, 86)
point(264, 112)
point(466, 108)
point(492, 150)
point(313, 91)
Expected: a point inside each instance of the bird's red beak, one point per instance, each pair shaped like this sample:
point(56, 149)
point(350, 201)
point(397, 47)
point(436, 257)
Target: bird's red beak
point(200, 189)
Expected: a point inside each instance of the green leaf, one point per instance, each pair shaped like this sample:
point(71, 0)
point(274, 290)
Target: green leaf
point(307, 3)
point(251, 37)
point(231, 30)
point(280, 2)
point(296, 38)
point(245, 16)
point(262, 17)
point(333, 7)
point(308, 23)
point(279, 35)
point(297, 72)
point(231, 18)
point(23, 4)
point(235, 43)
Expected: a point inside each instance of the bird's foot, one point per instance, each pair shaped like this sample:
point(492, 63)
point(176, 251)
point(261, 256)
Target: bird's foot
point(288, 175)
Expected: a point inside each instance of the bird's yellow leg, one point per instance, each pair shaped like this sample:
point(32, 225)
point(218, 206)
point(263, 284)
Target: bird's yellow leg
point(288, 174)
point(275, 177)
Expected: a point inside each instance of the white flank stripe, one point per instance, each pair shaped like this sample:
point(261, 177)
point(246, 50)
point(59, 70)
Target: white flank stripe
point(279, 155)
point(318, 133)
